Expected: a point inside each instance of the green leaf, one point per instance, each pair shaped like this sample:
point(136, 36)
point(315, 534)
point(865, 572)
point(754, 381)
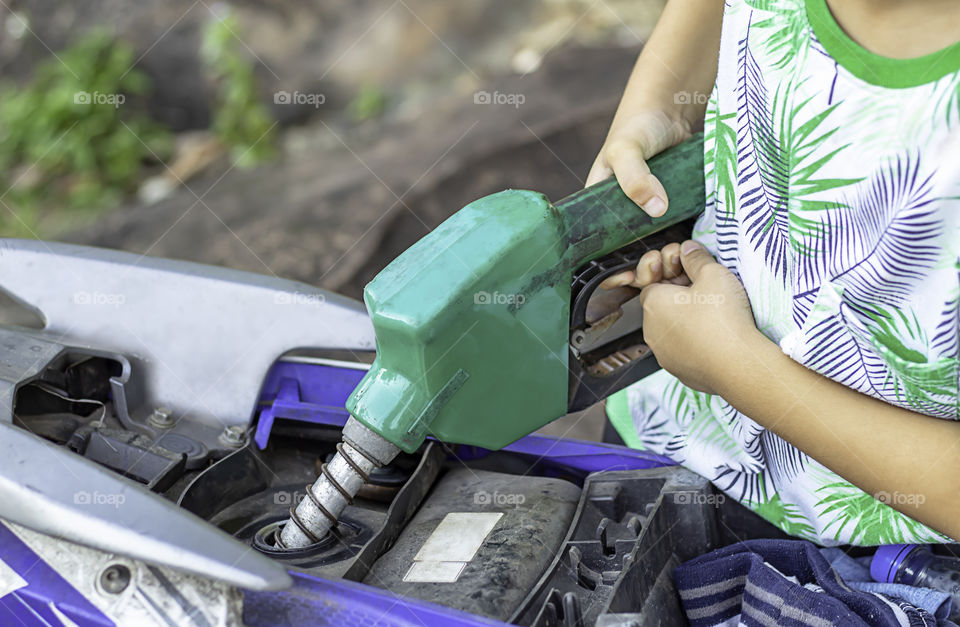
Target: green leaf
point(239, 119)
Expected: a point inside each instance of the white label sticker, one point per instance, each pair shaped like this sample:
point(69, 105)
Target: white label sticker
point(451, 546)
point(434, 572)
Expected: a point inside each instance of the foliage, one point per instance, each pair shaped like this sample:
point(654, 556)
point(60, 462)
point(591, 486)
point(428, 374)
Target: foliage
point(368, 104)
point(239, 119)
point(70, 138)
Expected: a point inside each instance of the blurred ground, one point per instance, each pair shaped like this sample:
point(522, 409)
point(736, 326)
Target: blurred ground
point(479, 96)
point(341, 203)
point(417, 51)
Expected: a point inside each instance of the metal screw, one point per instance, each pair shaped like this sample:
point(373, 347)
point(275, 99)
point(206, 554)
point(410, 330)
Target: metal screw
point(161, 418)
point(115, 579)
point(234, 437)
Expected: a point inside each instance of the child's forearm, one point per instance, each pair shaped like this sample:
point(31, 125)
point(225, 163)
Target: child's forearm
point(705, 335)
point(876, 446)
point(678, 65)
point(664, 100)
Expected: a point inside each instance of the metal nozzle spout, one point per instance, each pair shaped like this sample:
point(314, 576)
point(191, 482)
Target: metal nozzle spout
point(361, 451)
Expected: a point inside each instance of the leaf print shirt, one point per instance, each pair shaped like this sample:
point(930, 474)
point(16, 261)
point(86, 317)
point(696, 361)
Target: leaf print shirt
point(832, 193)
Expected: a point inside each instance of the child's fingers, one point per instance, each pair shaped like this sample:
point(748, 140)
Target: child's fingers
point(618, 280)
point(671, 261)
point(672, 266)
point(628, 163)
point(649, 269)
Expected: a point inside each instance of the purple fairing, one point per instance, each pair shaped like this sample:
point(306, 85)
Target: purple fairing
point(315, 601)
point(317, 393)
point(579, 455)
point(45, 594)
point(306, 392)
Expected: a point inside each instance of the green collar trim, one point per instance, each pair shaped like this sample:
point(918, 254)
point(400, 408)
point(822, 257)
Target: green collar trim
point(873, 68)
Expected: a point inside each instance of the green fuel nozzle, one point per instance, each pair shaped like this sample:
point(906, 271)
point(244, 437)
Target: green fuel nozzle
point(481, 323)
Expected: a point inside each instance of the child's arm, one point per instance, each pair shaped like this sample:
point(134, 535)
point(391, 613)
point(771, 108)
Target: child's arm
point(664, 99)
point(709, 340)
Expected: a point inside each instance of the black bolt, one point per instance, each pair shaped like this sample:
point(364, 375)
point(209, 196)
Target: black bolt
point(115, 579)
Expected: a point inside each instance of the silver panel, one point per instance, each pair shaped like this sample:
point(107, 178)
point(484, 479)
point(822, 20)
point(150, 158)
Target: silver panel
point(199, 338)
point(49, 489)
point(154, 596)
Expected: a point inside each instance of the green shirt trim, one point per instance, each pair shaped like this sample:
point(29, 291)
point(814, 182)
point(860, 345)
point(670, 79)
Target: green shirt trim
point(618, 412)
point(873, 68)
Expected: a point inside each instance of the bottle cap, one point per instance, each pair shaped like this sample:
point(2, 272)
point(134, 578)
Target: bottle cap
point(886, 561)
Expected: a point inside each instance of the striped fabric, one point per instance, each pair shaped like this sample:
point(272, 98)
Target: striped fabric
point(781, 582)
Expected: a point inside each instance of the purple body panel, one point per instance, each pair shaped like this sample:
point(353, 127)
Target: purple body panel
point(317, 393)
point(314, 601)
point(579, 454)
point(304, 392)
point(34, 603)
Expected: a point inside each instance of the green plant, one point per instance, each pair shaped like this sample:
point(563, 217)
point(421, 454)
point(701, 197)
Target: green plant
point(69, 139)
point(368, 104)
point(239, 119)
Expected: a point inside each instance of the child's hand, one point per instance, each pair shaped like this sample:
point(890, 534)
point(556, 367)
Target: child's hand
point(696, 332)
point(655, 266)
point(626, 150)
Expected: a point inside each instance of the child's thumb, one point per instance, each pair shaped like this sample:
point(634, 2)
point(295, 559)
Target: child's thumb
point(627, 161)
point(694, 257)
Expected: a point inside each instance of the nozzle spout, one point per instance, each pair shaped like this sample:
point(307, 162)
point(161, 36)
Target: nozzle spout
point(361, 451)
